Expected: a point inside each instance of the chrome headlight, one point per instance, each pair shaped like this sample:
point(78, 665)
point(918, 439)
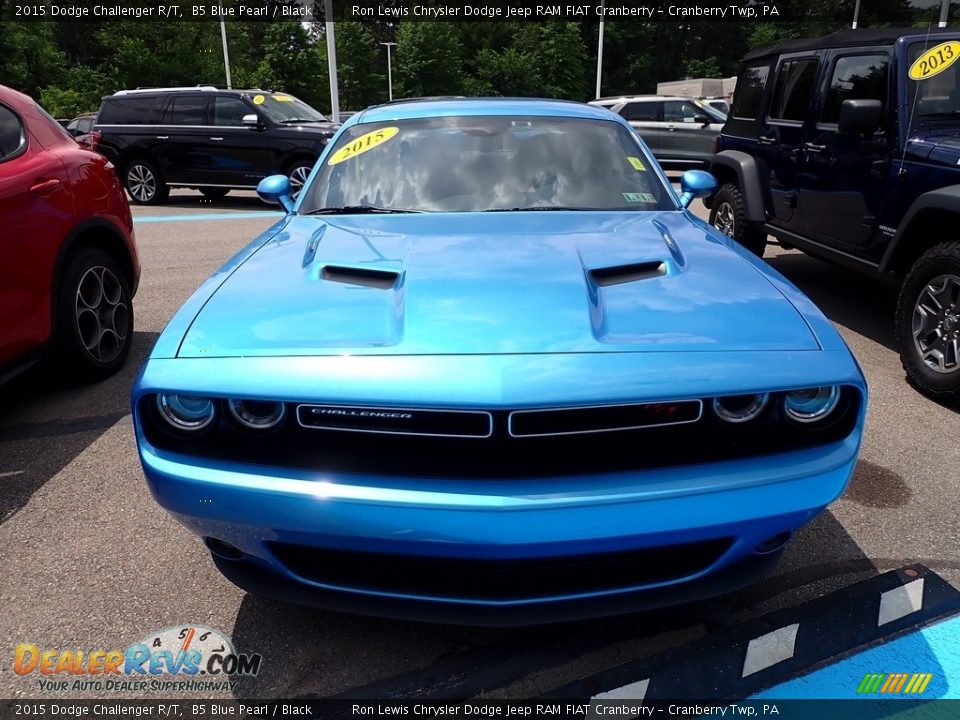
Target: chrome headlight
point(740, 408)
point(257, 414)
point(186, 413)
point(811, 404)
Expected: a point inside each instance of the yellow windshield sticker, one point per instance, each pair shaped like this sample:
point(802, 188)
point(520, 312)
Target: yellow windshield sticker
point(362, 144)
point(258, 99)
point(935, 60)
point(637, 163)
point(282, 98)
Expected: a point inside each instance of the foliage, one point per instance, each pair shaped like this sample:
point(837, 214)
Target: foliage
point(427, 60)
point(510, 72)
point(361, 80)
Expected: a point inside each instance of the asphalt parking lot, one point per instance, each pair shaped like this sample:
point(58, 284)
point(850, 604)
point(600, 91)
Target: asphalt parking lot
point(88, 560)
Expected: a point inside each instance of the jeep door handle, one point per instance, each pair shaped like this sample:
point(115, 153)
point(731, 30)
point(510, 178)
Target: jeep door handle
point(163, 137)
point(764, 140)
point(45, 187)
point(217, 138)
point(814, 148)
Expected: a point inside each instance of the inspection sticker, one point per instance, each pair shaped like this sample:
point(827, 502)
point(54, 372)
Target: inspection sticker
point(637, 163)
point(362, 144)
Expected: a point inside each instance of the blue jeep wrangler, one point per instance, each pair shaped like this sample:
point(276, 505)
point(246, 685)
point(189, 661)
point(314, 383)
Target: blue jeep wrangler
point(847, 147)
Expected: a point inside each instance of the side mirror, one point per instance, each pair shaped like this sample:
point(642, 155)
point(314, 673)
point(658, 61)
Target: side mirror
point(696, 184)
point(250, 121)
point(277, 189)
point(702, 119)
point(860, 117)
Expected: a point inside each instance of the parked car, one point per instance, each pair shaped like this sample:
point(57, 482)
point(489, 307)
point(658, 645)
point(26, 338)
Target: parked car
point(68, 262)
point(207, 138)
point(489, 369)
point(681, 132)
point(81, 127)
point(846, 148)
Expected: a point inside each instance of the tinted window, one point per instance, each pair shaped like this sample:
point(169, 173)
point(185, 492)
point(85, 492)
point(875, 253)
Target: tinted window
point(189, 110)
point(749, 94)
point(12, 136)
point(675, 111)
point(503, 163)
point(794, 88)
point(859, 77)
point(229, 110)
point(283, 108)
point(639, 111)
point(133, 110)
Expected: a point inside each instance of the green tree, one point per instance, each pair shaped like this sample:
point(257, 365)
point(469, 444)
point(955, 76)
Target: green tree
point(289, 62)
point(360, 79)
point(701, 68)
point(559, 52)
point(510, 72)
point(427, 60)
point(29, 59)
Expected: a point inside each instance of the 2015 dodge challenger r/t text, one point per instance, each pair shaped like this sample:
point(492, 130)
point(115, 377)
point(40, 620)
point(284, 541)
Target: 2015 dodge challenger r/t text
point(488, 368)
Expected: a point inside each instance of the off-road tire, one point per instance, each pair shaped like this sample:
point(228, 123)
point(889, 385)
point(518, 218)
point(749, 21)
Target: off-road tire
point(940, 265)
point(728, 213)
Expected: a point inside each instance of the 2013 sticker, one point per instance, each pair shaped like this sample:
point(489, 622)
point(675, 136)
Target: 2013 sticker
point(637, 163)
point(362, 144)
point(258, 99)
point(935, 60)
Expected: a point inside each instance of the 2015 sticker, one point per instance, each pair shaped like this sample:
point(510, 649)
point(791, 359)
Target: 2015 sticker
point(637, 163)
point(935, 60)
point(258, 99)
point(363, 143)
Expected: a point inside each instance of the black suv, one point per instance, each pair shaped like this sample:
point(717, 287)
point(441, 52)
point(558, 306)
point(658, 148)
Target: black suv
point(207, 138)
point(848, 148)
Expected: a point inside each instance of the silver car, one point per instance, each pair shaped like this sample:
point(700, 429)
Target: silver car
point(681, 132)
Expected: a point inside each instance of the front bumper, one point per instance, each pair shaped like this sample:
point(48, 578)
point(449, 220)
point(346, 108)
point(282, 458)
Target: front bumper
point(744, 503)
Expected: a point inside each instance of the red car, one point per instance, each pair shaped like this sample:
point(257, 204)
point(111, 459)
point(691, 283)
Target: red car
point(68, 260)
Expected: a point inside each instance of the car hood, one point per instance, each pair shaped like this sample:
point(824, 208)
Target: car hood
point(326, 129)
point(479, 283)
point(941, 147)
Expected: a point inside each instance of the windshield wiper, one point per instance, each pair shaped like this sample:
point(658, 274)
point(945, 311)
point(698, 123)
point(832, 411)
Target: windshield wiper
point(541, 208)
point(358, 210)
point(945, 113)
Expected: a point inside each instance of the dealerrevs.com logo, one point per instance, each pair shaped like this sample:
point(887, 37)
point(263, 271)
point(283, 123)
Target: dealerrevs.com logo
point(182, 657)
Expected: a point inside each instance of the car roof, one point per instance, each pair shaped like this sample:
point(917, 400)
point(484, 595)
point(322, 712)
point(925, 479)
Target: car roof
point(848, 38)
point(637, 98)
point(479, 106)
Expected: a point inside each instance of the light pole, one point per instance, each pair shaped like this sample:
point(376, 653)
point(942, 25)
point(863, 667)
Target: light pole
point(223, 40)
point(600, 49)
point(389, 70)
point(332, 61)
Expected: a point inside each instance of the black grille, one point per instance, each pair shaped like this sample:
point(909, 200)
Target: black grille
point(605, 418)
point(502, 456)
point(499, 579)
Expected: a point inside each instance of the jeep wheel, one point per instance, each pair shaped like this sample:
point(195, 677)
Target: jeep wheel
point(144, 183)
point(728, 214)
point(928, 322)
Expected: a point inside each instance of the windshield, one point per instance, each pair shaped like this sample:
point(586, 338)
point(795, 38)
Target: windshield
point(280, 108)
point(934, 77)
point(711, 112)
point(488, 163)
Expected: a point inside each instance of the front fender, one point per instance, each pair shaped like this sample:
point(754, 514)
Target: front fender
point(747, 171)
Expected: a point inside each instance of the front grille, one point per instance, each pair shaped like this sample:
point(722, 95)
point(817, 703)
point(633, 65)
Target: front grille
point(396, 421)
point(603, 418)
point(501, 455)
point(471, 578)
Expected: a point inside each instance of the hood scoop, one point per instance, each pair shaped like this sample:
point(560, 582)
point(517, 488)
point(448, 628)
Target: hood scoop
point(620, 274)
point(365, 277)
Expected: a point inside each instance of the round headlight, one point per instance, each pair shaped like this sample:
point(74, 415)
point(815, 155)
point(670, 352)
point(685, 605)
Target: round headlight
point(186, 412)
point(257, 414)
point(812, 404)
point(740, 408)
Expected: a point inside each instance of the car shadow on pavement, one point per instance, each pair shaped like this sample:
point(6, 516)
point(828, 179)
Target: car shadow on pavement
point(46, 422)
point(859, 303)
point(234, 201)
point(316, 653)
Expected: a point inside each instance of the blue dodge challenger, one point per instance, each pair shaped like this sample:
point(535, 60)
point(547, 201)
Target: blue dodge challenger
point(488, 368)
